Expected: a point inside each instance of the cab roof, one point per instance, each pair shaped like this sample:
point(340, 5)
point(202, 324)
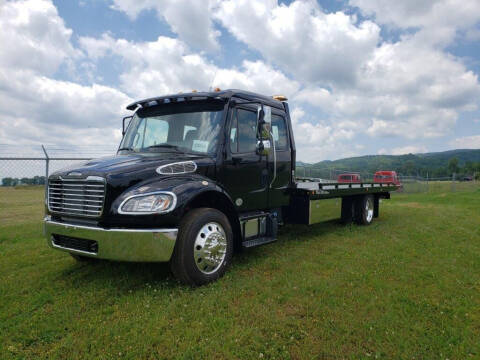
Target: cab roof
point(224, 95)
point(385, 172)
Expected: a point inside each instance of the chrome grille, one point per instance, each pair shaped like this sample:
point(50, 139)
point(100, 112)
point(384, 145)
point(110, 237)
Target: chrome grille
point(84, 197)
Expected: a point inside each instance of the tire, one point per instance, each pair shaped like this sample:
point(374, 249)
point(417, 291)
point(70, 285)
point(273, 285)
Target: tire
point(364, 210)
point(202, 232)
point(81, 258)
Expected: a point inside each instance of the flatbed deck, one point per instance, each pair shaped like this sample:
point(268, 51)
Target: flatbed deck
point(317, 189)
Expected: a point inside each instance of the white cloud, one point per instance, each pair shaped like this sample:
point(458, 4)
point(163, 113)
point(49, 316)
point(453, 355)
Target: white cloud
point(403, 150)
point(410, 149)
point(168, 66)
point(258, 77)
point(320, 141)
point(301, 39)
point(438, 20)
point(413, 13)
point(402, 95)
point(35, 107)
point(466, 142)
point(191, 20)
point(409, 88)
point(33, 36)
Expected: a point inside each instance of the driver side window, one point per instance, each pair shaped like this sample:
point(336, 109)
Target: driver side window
point(243, 131)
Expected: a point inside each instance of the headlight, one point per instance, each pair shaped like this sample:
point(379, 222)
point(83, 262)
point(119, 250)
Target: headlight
point(152, 203)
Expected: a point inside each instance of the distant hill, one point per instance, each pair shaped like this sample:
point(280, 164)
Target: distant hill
point(434, 164)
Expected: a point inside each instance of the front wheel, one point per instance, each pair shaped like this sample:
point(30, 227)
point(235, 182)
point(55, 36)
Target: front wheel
point(204, 247)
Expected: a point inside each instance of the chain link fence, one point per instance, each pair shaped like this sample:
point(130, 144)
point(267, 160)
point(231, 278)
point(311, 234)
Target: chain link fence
point(409, 184)
point(416, 184)
point(31, 164)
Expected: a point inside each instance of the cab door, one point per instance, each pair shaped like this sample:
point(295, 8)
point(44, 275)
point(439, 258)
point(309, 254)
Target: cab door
point(245, 173)
point(280, 165)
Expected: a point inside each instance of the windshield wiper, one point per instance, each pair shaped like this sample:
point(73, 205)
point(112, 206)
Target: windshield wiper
point(126, 148)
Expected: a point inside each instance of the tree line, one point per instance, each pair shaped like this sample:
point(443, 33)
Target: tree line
point(462, 163)
point(36, 180)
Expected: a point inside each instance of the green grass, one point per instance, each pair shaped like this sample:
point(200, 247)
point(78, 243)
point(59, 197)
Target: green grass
point(405, 287)
point(438, 186)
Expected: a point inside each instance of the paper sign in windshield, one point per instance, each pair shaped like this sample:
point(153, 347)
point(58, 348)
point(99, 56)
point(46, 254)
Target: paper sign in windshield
point(200, 145)
point(275, 133)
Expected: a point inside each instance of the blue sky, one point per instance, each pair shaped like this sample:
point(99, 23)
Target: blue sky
point(362, 76)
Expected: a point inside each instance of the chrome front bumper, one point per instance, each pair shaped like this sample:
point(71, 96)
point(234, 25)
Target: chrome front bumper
point(149, 245)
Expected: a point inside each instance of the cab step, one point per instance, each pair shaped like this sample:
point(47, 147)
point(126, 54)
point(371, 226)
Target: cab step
point(257, 242)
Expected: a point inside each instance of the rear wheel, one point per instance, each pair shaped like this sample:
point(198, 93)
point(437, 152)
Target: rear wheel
point(204, 247)
point(364, 210)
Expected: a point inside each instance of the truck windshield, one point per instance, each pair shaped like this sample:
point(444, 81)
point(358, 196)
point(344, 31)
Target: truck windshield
point(189, 128)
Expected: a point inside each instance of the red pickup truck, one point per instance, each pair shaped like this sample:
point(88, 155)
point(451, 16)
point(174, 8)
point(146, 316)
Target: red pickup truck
point(386, 177)
point(348, 178)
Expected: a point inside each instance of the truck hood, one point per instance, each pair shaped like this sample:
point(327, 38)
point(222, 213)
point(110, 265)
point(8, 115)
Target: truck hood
point(133, 166)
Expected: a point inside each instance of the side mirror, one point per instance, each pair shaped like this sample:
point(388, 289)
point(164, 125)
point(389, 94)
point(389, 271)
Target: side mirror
point(264, 121)
point(124, 128)
point(263, 147)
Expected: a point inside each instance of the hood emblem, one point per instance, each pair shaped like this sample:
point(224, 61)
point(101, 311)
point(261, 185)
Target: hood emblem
point(74, 173)
point(183, 167)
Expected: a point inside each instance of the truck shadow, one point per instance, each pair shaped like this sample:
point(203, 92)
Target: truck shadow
point(132, 276)
point(129, 276)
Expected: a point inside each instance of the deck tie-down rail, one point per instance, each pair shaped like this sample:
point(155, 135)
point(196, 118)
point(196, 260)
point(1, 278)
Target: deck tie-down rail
point(321, 188)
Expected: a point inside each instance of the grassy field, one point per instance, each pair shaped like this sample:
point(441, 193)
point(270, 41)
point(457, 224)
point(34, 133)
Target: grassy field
point(438, 186)
point(406, 287)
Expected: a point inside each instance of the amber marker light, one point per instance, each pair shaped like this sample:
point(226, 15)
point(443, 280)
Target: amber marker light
point(280, 97)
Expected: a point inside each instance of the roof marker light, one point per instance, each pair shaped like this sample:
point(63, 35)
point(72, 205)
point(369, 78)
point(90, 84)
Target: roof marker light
point(279, 97)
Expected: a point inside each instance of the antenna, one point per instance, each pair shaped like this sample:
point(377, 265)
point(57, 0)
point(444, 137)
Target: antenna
point(213, 80)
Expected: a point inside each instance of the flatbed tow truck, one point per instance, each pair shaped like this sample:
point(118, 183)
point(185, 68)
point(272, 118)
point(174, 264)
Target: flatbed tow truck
point(196, 177)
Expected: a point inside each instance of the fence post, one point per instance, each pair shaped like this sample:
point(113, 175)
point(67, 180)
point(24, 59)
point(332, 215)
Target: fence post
point(47, 161)
point(428, 189)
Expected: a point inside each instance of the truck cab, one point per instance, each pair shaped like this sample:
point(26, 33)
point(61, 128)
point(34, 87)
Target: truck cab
point(196, 176)
point(386, 176)
point(349, 178)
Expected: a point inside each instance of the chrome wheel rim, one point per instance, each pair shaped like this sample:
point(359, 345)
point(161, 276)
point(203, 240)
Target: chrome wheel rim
point(369, 210)
point(210, 248)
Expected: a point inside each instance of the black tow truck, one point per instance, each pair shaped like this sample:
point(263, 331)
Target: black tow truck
point(197, 176)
